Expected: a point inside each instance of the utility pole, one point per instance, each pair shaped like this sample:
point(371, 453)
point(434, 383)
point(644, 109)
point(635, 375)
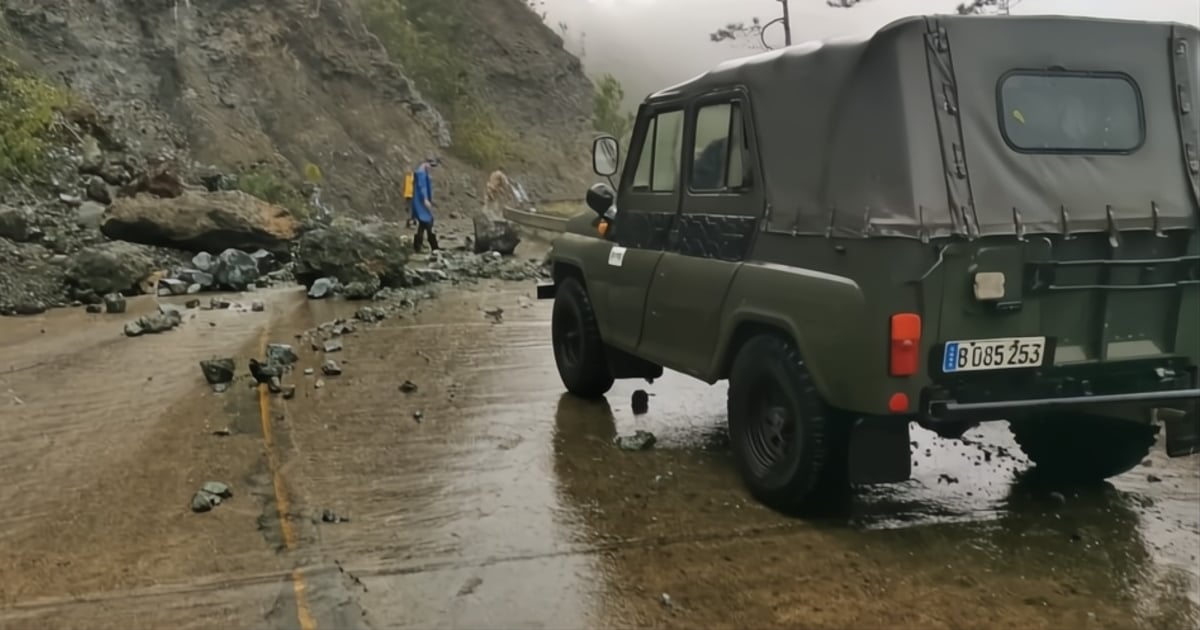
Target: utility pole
point(787, 23)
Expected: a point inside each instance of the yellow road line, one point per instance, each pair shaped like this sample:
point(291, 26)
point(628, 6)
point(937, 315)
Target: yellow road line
point(303, 612)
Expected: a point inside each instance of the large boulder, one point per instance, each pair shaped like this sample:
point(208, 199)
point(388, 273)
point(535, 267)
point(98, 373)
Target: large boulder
point(373, 254)
point(109, 268)
point(495, 236)
point(199, 221)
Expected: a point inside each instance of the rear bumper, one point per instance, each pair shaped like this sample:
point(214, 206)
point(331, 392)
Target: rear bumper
point(1177, 409)
point(953, 411)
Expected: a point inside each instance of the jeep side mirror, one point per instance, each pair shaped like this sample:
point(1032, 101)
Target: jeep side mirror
point(600, 198)
point(606, 154)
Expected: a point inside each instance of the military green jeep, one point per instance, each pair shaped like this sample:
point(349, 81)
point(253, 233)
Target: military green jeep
point(956, 220)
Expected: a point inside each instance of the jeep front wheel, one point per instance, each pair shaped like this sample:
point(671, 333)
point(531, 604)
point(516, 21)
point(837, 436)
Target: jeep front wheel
point(579, 352)
point(782, 433)
point(1082, 448)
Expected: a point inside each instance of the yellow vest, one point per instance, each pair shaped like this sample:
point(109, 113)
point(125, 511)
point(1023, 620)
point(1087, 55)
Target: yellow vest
point(408, 185)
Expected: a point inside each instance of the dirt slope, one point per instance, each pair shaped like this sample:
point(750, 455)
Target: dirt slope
point(299, 82)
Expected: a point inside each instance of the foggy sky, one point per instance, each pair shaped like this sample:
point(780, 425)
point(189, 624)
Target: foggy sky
point(649, 44)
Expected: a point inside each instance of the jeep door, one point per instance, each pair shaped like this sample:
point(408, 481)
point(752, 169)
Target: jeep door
point(647, 202)
point(710, 236)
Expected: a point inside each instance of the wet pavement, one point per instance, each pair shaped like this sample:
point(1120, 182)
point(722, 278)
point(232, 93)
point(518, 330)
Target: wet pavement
point(503, 503)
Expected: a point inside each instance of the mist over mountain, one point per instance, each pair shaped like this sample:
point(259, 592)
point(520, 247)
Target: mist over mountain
point(649, 44)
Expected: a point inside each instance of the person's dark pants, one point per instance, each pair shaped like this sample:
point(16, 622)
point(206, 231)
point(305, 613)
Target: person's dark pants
point(424, 228)
point(409, 220)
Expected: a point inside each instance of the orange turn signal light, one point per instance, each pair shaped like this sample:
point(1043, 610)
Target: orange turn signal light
point(904, 357)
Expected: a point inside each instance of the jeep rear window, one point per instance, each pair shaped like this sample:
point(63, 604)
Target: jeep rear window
point(1046, 112)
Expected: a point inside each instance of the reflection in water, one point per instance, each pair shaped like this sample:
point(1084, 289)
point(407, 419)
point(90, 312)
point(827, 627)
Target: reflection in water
point(971, 515)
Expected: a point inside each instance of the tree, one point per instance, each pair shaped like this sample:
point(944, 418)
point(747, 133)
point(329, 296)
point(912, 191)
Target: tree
point(754, 31)
point(608, 114)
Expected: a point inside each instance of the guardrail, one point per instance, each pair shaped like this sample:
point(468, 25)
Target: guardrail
point(535, 220)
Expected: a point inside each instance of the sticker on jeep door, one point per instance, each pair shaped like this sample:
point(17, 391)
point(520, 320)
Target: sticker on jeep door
point(616, 256)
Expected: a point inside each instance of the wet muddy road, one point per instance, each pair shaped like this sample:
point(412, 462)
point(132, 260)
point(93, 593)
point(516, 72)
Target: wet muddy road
point(506, 505)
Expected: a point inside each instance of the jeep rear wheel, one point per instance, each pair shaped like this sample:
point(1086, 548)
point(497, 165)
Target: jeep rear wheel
point(782, 433)
point(1082, 448)
point(579, 352)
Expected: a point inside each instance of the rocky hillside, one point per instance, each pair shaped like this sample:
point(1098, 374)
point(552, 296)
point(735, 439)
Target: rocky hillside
point(126, 126)
point(345, 92)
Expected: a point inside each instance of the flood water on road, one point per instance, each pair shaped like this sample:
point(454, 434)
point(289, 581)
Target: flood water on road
point(489, 498)
point(507, 505)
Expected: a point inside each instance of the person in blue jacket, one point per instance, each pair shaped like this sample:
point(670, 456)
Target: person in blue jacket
point(422, 204)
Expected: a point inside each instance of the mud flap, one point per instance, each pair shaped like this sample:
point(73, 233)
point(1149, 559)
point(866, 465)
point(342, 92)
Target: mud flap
point(879, 451)
point(625, 365)
point(1183, 431)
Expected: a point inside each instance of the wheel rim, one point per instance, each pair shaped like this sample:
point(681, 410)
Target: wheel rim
point(771, 430)
point(570, 337)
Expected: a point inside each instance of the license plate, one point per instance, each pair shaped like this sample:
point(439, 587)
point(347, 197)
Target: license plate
point(993, 354)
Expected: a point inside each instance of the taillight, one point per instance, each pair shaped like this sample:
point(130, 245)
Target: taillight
point(906, 344)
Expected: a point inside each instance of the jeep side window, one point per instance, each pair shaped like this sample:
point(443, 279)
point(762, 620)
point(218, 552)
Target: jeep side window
point(720, 148)
point(658, 165)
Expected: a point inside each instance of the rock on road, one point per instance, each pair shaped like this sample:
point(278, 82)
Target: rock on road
point(484, 497)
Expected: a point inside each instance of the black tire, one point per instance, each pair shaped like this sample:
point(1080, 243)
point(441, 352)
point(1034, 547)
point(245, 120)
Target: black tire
point(579, 352)
point(786, 441)
point(1080, 448)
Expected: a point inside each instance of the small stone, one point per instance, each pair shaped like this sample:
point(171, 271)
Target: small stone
point(202, 502)
point(204, 261)
point(1153, 478)
point(98, 191)
point(333, 345)
point(274, 385)
point(173, 286)
point(222, 432)
point(1058, 498)
point(408, 387)
point(257, 306)
point(323, 287)
point(94, 308)
point(418, 416)
point(319, 384)
point(194, 288)
point(639, 441)
point(308, 371)
point(331, 368)
point(218, 371)
point(170, 310)
point(218, 304)
point(192, 304)
point(114, 303)
point(329, 516)
point(220, 388)
point(216, 488)
point(666, 600)
point(289, 392)
point(281, 354)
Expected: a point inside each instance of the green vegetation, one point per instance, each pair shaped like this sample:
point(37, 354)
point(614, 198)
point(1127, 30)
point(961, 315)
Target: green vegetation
point(422, 36)
point(28, 109)
point(608, 105)
point(274, 188)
